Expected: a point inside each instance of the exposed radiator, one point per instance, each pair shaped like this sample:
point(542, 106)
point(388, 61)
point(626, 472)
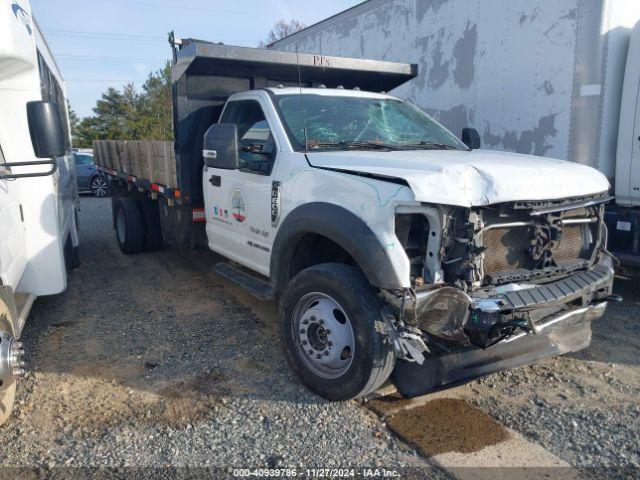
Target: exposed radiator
point(508, 248)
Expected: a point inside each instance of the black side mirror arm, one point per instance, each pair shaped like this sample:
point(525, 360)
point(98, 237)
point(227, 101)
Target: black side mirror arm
point(11, 176)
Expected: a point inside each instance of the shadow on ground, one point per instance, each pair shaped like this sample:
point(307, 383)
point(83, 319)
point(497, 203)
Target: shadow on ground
point(159, 326)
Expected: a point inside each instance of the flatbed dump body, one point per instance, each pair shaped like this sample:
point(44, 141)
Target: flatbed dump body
point(150, 165)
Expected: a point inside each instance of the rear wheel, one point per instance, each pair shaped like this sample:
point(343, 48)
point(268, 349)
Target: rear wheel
point(129, 225)
point(71, 255)
point(333, 332)
point(153, 228)
point(99, 186)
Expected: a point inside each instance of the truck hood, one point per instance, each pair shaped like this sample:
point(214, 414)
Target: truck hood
point(471, 178)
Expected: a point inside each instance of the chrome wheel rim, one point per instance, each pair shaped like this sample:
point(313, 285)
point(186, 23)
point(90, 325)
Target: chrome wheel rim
point(323, 335)
point(99, 187)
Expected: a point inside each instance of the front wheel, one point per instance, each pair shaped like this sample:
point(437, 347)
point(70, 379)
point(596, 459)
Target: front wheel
point(333, 332)
point(11, 364)
point(7, 399)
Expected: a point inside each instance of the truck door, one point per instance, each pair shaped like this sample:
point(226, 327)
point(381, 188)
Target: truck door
point(13, 257)
point(237, 202)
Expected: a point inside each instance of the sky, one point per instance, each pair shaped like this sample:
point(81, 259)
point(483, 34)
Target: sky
point(103, 43)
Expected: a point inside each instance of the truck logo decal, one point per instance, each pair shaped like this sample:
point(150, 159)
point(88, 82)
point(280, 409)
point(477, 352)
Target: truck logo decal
point(258, 246)
point(238, 205)
point(22, 16)
point(320, 61)
point(275, 203)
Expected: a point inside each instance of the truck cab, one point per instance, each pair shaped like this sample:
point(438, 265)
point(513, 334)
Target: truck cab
point(394, 249)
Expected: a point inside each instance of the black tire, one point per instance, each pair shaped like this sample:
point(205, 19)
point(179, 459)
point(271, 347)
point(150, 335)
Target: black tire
point(153, 228)
point(373, 358)
point(71, 255)
point(129, 225)
point(99, 187)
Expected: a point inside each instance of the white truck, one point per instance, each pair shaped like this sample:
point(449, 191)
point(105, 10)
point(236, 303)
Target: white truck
point(393, 248)
point(38, 195)
point(556, 79)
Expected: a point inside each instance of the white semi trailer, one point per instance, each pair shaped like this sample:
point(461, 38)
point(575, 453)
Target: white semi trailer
point(556, 79)
point(38, 194)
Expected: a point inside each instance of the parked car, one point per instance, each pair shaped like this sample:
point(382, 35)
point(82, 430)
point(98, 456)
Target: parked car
point(89, 178)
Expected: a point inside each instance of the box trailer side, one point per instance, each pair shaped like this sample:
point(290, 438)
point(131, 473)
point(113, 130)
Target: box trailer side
point(628, 156)
point(537, 77)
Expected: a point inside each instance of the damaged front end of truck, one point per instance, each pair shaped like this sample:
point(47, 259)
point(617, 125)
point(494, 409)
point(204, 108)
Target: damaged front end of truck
point(496, 287)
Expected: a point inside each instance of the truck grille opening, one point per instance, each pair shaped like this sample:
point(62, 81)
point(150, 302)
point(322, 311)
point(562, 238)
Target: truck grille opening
point(508, 248)
point(503, 244)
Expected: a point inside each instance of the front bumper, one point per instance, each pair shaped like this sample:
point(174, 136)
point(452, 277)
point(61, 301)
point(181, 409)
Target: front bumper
point(560, 315)
point(569, 331)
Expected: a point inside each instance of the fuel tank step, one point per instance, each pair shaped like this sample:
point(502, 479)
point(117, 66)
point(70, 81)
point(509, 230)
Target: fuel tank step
point(257, 287)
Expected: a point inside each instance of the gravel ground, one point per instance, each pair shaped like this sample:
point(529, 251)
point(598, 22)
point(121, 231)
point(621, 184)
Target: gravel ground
point(583, 407)
point(153, 361)
point(150, 361)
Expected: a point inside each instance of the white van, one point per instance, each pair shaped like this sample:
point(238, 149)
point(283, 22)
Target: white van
point(38, 194)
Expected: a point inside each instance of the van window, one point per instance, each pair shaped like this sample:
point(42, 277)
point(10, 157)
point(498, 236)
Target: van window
point(52, 92)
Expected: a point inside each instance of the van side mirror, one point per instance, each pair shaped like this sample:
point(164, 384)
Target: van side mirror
point(471, 138)
point(45, 126)
point(220, 148)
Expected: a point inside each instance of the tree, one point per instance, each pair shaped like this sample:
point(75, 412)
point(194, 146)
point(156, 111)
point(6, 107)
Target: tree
point(155, 106)
point(74, 121)
point(282, 29)
point(130, 115)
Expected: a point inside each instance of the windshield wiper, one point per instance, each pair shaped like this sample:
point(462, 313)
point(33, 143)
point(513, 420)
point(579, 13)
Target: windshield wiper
point(428, 145)
point(356, 145)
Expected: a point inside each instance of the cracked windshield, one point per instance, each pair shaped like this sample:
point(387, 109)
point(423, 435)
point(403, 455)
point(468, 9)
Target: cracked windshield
point(337, 122)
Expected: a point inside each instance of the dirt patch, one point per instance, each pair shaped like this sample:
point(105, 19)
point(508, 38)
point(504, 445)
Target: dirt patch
point(190, 400)
point(62, 324)
point(447, 425)
point(109, 372)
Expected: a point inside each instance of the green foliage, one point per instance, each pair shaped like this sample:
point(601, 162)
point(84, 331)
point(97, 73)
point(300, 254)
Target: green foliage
point(280, 30)
point(129, 114)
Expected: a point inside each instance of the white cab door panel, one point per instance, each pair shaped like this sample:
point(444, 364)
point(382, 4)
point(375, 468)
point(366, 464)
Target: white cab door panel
point(237, 202)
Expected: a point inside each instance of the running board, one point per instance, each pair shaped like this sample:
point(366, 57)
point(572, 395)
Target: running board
point(257, 287)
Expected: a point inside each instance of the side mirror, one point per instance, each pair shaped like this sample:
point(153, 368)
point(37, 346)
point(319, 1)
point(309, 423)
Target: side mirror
point(221, 146)
point(45, 126)
point(471, 138)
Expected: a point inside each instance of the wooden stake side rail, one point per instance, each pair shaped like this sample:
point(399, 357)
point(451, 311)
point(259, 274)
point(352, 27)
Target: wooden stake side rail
point(150, 165)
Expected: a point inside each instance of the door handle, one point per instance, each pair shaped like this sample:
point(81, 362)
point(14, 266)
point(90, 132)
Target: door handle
point(215, 180)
